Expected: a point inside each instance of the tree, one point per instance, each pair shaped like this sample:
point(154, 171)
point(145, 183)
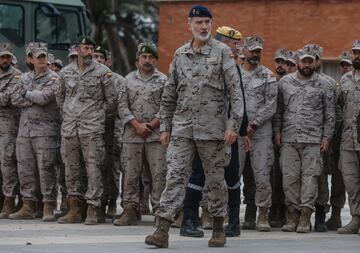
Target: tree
point(120, 25)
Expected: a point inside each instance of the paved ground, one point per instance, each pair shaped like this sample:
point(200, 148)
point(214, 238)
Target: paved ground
point(37, 236)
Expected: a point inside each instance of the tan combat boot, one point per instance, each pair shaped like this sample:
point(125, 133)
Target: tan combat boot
point(263, 220)
point(91, 215)
point(111, 212)
point(48, 212)
point(218, 238)
point(206, 220)
point(292, 220)
point(27, 211)
point(304, 221)
point(129, 215)
point(352, 227)
point(74, 213)
point(160, 238)
point(8, 207)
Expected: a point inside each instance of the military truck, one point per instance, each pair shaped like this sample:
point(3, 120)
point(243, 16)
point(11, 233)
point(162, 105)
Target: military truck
point(56, 22)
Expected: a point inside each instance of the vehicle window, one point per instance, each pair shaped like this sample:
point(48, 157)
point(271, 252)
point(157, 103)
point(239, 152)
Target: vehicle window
point(12, 23)
point(58, 30)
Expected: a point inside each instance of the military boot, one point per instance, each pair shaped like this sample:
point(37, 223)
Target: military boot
point(263, 220)
point(320, 216)
point(189, 227)
point(304, 221)
point(27, 211)
point(335, 219)
point(74, 213)
point(160, 238)
point(351, 228)
point(250, 217)
point(206, 220)
point(233, 227)
point(129, 215)
point(111, 211)
point(292, 220)
point(218, 238)
point(8, 207)
point(91, 215)
point(48, 212)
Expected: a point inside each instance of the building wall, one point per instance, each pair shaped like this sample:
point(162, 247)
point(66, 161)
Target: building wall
point(291, 24)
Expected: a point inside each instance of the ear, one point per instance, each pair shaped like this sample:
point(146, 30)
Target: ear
point(189, 24)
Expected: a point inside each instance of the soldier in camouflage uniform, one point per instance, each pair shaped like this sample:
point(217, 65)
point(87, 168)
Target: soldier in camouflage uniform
point(193, 111)
point(38, 143)
point(303, 126)
point(9, 122)
point(260, 93)
point(291, 62)
point(277, 214)
point(345, 62)
point(349, 100)
point(139, 110)
point(84, 93)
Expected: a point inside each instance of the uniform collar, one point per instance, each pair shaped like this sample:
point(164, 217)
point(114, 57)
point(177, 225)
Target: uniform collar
point(154, 75)
point(205, 50)
point(76, 68)
point(35, 77)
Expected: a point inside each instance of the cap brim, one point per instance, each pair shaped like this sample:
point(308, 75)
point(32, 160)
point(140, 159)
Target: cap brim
point(41, 52)
point(72, 54)
point(254, 48)
point(291, 60)
point(6, 53)
point(355, 48)
point(280, 57)
point(347, 61)
point(307, 56)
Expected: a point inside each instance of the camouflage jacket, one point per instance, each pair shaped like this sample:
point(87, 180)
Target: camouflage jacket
point(261, 98)
point(200, 85)
point(9, 115)
point(349, 101)
point(84, 98)
point(141, 101)
point(305, 111)
point(39, 112)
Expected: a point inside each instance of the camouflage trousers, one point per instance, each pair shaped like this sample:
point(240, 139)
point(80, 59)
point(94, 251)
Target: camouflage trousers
point(9, 174)
point(180, 155)
point(37, 158)
point(260, 158)
point(350, 169)
point(90, 149)
point(133, 158)
point(301, 165)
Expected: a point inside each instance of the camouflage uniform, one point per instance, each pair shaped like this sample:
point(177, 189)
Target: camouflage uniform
point(305, 115)
point(141, 101)
point(81, 96)
point(37, 144)
point(9, 123)
point(194, 109)
point(349, 100)
point(260, 93)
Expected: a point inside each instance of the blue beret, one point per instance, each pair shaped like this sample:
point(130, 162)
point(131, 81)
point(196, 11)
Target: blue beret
point(199, 11)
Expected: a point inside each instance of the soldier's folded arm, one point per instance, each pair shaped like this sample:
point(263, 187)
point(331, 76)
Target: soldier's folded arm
point(269, 109)
point(18, 96)
point(44, 96)
point(4, 98)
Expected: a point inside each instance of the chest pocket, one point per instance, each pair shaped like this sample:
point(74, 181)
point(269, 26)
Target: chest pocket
point(156, 95)
point(313, 97)
point(91, 87)
point(288, 95)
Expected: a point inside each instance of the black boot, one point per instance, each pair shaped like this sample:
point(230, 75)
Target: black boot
point(188, 226)
point(233, 228)
point(320, 225)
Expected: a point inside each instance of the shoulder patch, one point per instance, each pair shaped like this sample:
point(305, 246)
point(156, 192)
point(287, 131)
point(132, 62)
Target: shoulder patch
point(54, 78)
point(109, 74)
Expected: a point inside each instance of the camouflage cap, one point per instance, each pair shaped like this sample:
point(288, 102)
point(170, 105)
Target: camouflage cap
point(316, 48)
point(345, 57)
point(292, 56)
point(6, 49)
point(229, 32)
point(87, 40)
point(29, 48)
point(252, 43)
point(147, 47)
point(72, 51)
point(101, 50)
point(356, 45)
point(306, 52)
point(40, 48)
point(281, 53)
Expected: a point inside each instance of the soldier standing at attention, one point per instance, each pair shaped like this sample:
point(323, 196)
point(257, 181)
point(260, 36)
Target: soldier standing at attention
point(38, 141)
point(303, 125)
point(9, 123)
point(84, 93)
point(194, 117)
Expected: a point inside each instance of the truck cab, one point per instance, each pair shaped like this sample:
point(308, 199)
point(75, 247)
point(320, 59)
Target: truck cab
point(56, 22)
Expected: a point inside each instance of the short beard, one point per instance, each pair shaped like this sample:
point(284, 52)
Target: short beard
point(5, 68)
point(254, 61)
point(304, 73)
point(356, 64)
point(87, 59)
point(203, 38)
point(280, 71)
